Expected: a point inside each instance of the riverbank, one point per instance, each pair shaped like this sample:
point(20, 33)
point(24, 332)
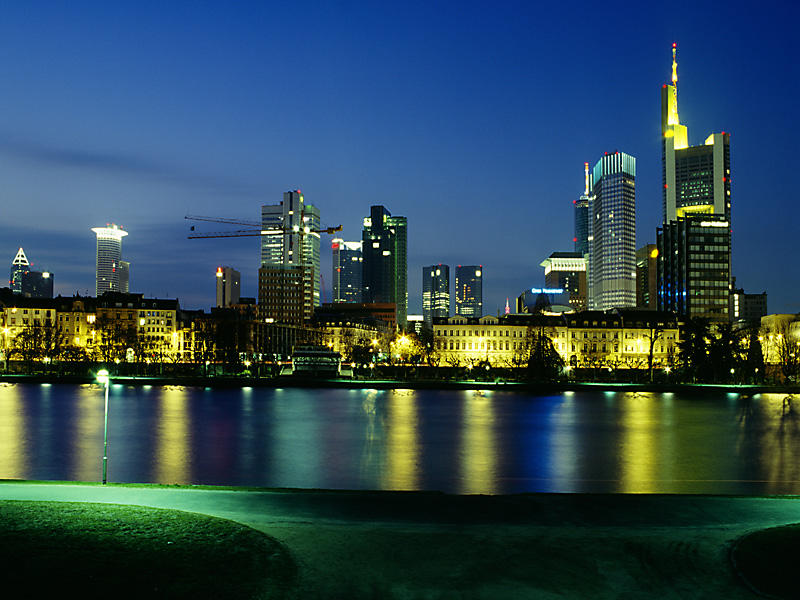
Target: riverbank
point(408, 545)
point(537, 388)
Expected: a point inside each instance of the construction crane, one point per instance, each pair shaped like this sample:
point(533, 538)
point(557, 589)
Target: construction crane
point(257, 229)
point(295, 230)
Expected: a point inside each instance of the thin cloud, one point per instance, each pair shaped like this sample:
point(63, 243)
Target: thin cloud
point(113, 163)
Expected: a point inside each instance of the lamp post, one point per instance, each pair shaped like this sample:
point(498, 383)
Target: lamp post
point(103, 378)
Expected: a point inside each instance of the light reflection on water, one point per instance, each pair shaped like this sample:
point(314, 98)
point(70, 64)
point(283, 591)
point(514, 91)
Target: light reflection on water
point(472, 442)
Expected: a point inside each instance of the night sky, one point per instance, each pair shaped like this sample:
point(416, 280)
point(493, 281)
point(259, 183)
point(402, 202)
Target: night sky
point(472, 119)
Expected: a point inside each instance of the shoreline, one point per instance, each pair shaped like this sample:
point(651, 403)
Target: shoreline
point(421, 384)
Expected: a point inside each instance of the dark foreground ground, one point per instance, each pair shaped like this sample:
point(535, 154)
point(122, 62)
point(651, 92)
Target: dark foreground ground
point(419, 545)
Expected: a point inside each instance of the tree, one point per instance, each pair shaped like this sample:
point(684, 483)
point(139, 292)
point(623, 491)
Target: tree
point(544, 361)
point(115, 337)
point(725, 352)
point(40, 341)
point(656, 331)
point(693, 350)
point(204, 335)
point(361, 353)
point(27, 345)
point(787, 350)
point(407, 348)
point(426, 339)
point(754, 361)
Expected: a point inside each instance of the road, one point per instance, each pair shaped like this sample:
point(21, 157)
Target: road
point(419, 545)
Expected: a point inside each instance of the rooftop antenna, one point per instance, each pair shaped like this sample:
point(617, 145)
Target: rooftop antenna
point(674, 65)
point(586, 178)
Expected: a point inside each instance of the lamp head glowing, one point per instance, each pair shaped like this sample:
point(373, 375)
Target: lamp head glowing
point(102, 377)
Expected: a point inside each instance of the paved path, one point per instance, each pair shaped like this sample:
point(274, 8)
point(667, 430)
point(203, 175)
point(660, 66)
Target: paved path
point(418, 545)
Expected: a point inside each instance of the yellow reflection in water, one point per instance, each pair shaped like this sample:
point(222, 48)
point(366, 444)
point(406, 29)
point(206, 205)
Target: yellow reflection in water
point(779, 441)
point(87, 455)
point(638, 453)
point(171, 453)
point(402, 441)
point(12, 434)
point(478, 451)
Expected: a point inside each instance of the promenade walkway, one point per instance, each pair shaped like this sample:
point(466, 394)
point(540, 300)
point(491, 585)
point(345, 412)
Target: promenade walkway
point(427, 545)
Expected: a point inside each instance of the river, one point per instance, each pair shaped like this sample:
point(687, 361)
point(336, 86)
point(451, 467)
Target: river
point(466, 442)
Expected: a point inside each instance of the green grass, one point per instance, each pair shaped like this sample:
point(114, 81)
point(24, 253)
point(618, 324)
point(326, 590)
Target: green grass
point(65, 549)
point(768, 561)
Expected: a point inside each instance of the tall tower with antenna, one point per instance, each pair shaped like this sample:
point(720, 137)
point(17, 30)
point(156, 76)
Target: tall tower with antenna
point(581, 238)
point(694, 278)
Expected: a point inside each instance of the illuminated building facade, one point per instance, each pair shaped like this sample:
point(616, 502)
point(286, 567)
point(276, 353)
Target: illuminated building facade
point(647, 276)
point(611, 278)
point(469, 290)
point(435, 292)
point(581, 238)
point(112, 273)
point(229, 282)
point(618, 338)
point(156, 327)
point(384, 270)
point(290, 237)
point(18, 267)
point(347, 261)
point(567, 271)
point(694, 242)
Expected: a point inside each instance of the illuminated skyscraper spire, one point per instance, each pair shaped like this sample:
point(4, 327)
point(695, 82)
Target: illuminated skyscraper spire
point(18, 267)
point(674, 65)
point(586, 178)
point(697, 213)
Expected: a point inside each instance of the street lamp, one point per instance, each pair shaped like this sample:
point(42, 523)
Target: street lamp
point(104, 378)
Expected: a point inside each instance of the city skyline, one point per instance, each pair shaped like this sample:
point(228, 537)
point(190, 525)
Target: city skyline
point(439, 117)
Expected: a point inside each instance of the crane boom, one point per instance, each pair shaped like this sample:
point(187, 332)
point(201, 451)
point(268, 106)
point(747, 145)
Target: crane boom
point(250, 232)
point(218, 234)
point(224, 220)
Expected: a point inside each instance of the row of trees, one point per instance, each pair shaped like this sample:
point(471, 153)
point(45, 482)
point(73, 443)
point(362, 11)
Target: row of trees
point(707, 354)
point(113, 341)
point(721, 354)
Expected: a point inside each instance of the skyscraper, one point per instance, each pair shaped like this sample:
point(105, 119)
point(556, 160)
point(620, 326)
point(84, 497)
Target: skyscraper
point(347, 261)
point(19, 266)
point(291, 236)
point(612, 247)
point(289, 278)
point(435, 292)
point(229, 282)
point(567, 271)
point(581, 238)
point(694, 242)
point(37, 284)
point(647, 276)
point(384, 270)
point(469, 290)
point(112, 273)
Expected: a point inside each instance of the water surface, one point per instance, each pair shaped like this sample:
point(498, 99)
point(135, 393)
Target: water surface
point(476, 442)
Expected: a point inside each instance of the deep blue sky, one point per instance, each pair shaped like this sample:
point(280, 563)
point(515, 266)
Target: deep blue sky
point(472, 119)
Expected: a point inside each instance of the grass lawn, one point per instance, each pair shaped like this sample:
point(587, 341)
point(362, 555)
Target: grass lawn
point(66, 549)
point(769, 561)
